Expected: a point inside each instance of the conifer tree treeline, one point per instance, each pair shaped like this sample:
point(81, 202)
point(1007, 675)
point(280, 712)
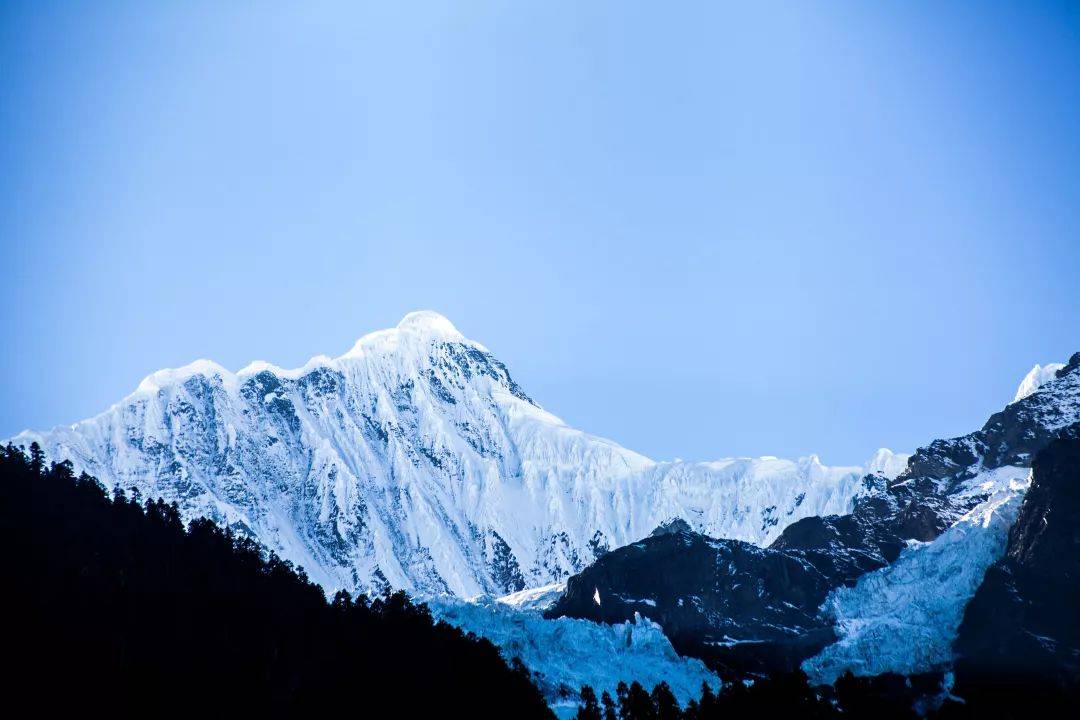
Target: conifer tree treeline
point(789, 695)
point(786, 695)
point(129, 612)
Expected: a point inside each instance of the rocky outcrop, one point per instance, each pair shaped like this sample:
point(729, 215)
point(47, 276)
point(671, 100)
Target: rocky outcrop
point(746, 609)
point(935, 489)
point(740, 607)
point(1022, 628)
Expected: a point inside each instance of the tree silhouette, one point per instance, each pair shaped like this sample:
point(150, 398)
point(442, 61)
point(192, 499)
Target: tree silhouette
point(622, 692)
point(639, 704)
point(589, 709)
point(609, 706)
point(123, 610)
point(664, 703)
point(37, 458)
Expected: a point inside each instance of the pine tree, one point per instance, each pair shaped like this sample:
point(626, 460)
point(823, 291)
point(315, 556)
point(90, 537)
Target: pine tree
point(63, 470)
point(708, 705)
point(667, 707)
point(622, 692)
point(609, 706)
point(588, 709)
point(37, 458)
point(639, 704)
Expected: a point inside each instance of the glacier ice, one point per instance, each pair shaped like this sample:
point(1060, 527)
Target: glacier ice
point(904, 617)
point(565, 653)
point(539, 598)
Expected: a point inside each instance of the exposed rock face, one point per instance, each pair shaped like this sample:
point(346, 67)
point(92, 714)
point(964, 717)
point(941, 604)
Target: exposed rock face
point(934, 491)
point(745, 609)
point(1023, 625)
point(672, 527)
point(738, 606)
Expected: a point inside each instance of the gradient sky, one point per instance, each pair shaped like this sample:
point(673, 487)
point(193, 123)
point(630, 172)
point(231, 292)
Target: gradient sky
point(706, 231)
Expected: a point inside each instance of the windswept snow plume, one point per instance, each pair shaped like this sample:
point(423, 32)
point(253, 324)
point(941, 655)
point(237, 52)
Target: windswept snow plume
point(565, 654)
point(886, 463)
point(538, 599)
point(1035, 379)
point(904, 617)
point(415, 461)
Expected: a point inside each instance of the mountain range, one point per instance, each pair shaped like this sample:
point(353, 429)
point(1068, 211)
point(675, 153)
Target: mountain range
point(882, 588)
point(415, 461)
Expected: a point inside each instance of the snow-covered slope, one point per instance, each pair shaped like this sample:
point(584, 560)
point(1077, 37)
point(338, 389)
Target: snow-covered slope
point(415, 461)
point(566, 653)
point(887, 463)
point(904, 617)
point(1036, 378)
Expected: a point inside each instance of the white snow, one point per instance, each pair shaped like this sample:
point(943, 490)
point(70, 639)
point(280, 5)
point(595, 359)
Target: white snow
point(1036, 378)
point(429, 322)
point(540, 598)
point(886, 463)
point(407, 457)
point(566, 653)
point(904, 618)
point(156, 381)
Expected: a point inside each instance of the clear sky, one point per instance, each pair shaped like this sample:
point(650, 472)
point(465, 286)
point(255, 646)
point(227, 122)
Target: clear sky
point(700, 229)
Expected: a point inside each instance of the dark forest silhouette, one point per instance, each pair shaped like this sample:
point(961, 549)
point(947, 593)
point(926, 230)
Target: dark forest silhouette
point(789, 695)
point(129, 612)
point(887, 697)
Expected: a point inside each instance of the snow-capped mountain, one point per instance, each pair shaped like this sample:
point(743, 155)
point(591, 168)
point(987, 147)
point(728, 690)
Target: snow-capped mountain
point(414, 460)
point(882, 588)
point(1036, 378)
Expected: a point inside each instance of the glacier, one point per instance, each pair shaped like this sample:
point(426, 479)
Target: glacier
point(414, 461)
point(904, 617)
point(566, 653)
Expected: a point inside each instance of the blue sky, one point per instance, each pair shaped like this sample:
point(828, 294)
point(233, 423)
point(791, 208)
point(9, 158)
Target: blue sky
point(717, 229)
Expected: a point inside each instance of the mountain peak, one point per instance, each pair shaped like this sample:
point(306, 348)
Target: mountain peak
point(671, 527)
point(428, 322)
point(155, 381)
point(417, 329)
point(886, 462)
point(1039, 375)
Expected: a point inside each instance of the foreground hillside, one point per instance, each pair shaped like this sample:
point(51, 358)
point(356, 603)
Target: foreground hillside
point(129, 612)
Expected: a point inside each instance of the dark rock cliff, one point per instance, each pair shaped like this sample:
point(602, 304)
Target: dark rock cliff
point(745, 609)
point(1023, 625)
